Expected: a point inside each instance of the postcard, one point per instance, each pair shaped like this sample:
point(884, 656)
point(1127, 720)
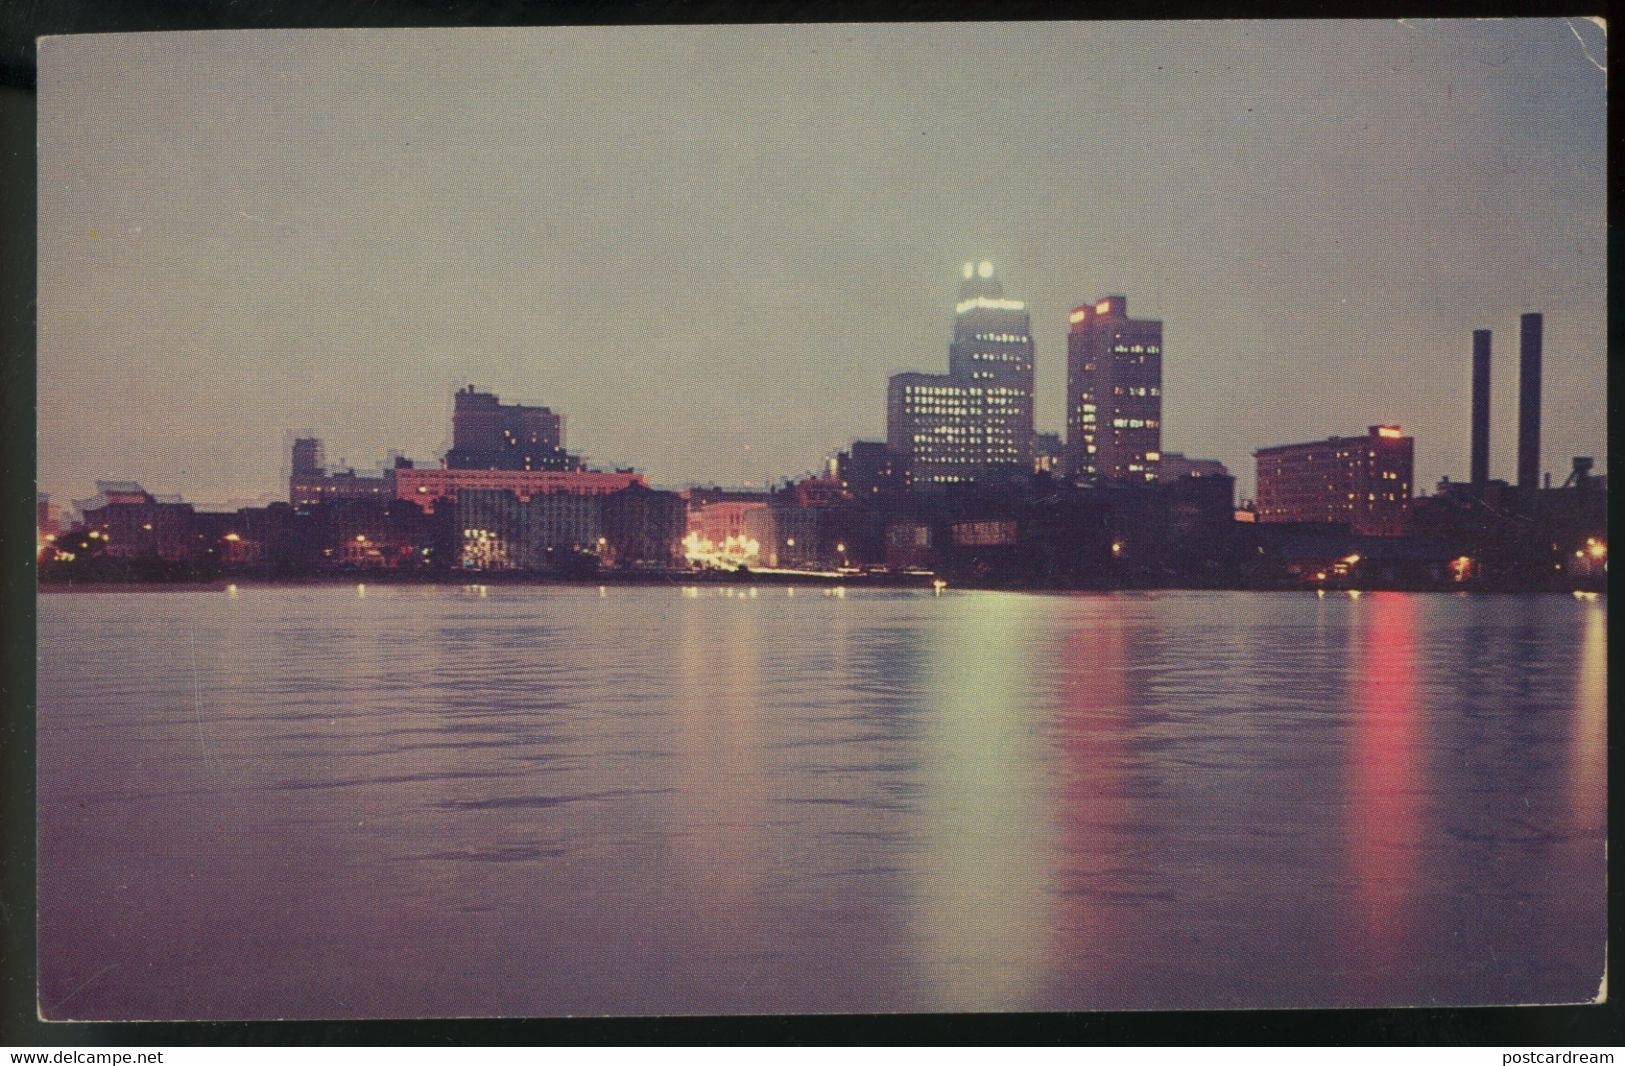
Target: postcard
point(768, 519)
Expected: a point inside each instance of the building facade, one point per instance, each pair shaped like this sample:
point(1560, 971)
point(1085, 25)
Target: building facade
point(131, 523)
point(426, 487)
point(1364, 482)
point(787, 535)
point(501, 531)
point(487, 434)
point(305, 490)
point(1113, 393)
point(975, 422)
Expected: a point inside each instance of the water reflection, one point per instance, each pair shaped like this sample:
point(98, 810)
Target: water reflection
point(721, 791)
point(1095, 806)
point(1384, 831)
point(543, 801)
point(1588, 762)
point(984, 912)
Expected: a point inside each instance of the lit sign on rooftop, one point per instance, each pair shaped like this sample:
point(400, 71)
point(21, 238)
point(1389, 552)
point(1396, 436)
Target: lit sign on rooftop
point(1391, 432)
point(988, 303)
point(1079, 315)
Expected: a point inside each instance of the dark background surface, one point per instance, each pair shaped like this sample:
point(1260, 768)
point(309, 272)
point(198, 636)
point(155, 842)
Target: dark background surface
point(20, 24)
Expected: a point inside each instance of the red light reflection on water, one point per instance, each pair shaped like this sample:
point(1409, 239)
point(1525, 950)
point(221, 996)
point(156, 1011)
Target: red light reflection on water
point(1384, 826)
point(1093, 804)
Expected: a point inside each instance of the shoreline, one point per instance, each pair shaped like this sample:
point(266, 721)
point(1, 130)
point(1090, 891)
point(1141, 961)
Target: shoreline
point(922, 582)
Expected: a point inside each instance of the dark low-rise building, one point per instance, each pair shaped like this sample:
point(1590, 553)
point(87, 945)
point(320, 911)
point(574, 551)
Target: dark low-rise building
point(131, 523)
point(644, 527)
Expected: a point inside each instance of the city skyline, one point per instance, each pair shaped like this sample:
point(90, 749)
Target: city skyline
point(342, 255)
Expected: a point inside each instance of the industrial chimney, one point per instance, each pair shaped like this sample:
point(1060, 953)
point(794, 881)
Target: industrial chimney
point(1529, 402)
point(1481, 408)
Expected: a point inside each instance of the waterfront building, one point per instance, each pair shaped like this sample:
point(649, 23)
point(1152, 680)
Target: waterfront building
point(131, 523)
point(490, 435)
point(643, 527)
point(909, 545)
point(974, 423)
point(786, 535)
point(1113, 393)
point(427, 487)
point(1363, 482)
point(501, 531)
point(715, 533)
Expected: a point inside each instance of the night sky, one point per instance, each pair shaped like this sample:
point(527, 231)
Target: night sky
point(709, 246)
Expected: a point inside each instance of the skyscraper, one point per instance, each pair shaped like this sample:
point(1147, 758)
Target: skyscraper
point(976, 421)
point(1113, 393)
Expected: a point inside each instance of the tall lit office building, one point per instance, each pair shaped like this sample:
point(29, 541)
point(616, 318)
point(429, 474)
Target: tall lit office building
point(1113, 393)
point(976, 421)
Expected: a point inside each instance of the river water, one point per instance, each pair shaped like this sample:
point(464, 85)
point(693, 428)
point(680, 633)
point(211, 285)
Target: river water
point(366, 801)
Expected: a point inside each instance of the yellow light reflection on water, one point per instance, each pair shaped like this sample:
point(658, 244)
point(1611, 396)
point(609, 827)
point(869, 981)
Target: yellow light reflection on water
point(983, 911)
point(1588, 752)
point(721, 786)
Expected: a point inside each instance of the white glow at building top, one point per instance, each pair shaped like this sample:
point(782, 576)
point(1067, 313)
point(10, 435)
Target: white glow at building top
point(988, 303)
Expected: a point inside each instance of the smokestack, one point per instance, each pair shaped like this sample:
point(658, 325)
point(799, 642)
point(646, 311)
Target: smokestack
point(1481, 407)
point(1529, 402)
